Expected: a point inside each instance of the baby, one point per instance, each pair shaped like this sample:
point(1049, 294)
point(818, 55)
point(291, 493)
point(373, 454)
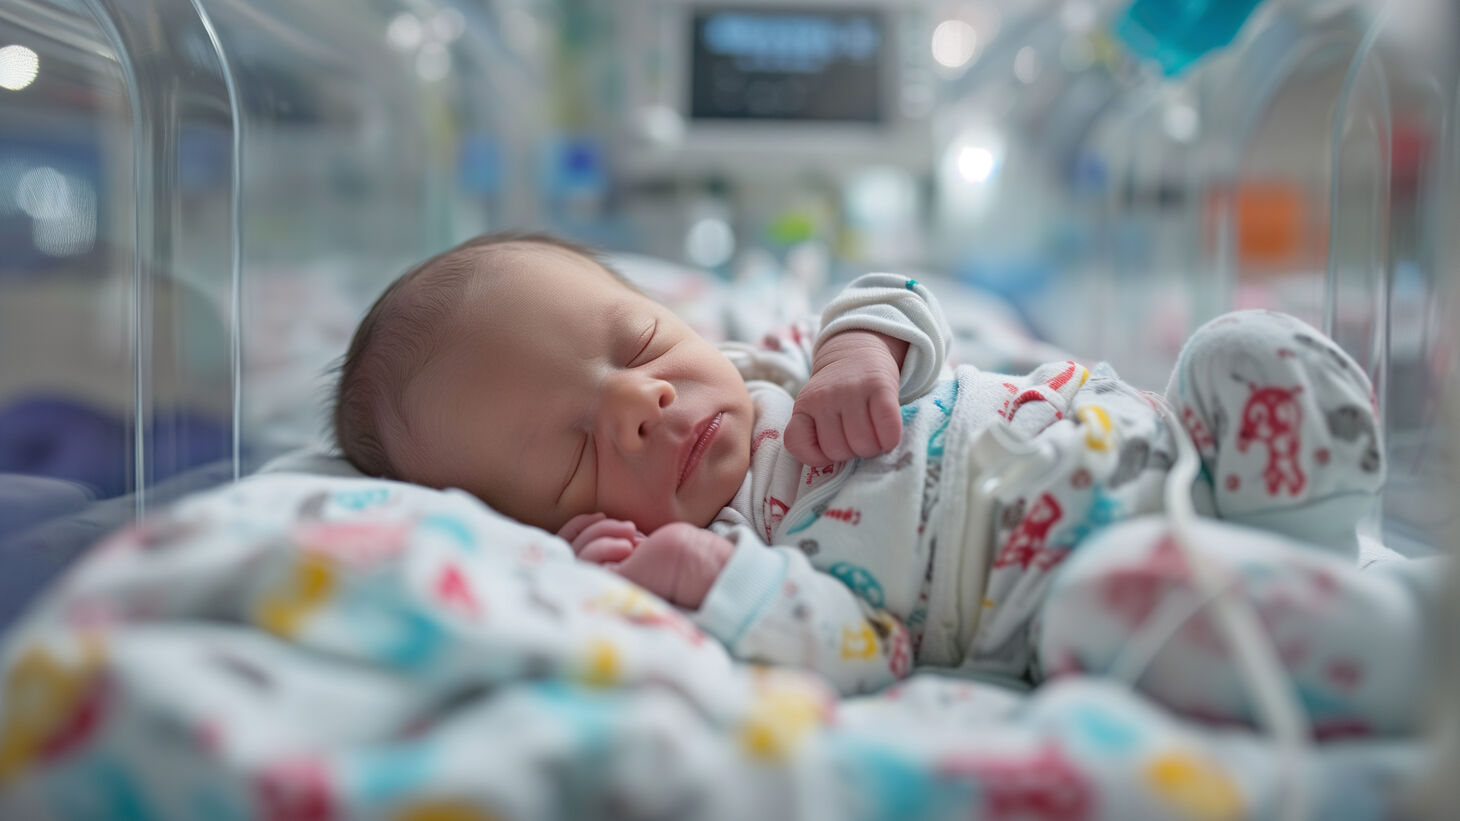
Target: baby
point(838, 497)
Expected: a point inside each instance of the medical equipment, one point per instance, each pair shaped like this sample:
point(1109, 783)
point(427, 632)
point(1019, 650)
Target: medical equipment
point(749, 88)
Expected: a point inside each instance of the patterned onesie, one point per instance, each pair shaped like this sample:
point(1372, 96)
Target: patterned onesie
point(941, 552)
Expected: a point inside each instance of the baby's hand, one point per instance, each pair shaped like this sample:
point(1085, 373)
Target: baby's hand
point(599, 539)
point(849, 405)
point(678, 563)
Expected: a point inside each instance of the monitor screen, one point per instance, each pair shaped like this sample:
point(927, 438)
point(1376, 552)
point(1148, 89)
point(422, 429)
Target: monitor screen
point(750, 63)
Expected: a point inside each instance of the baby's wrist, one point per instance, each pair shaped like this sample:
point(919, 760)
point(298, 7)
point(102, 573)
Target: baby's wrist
point(708, 559)
point(859, 342)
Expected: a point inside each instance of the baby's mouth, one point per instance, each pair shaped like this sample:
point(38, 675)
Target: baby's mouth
point(705, 435)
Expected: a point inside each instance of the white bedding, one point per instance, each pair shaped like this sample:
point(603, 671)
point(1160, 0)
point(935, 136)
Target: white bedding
point(308, 647)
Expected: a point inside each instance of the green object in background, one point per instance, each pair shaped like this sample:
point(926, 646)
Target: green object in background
point(1177, 33)
point(790, 228)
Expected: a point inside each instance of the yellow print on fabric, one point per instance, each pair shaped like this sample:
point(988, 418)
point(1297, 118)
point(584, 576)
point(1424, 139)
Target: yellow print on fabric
point(1194, 787)
point(782, 716)
point(50, 704)
point(1099, 433)
point(603, 664)
point(312, 583)
point(628, 601)
point(859, 642)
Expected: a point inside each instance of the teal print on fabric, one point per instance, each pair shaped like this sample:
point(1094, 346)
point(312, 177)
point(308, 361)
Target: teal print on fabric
point(214, 804)
point(1104, 510)
point(382, 776)
point(592, 716)
point(859, 580)
point(909, 412)
point(804, 523)
point(1102, 731)
point(911, 284)
point(450, 527)
point(378, 617)
point(361, 499)
point(100, 790)
point(944, 403)
point(587, 712)
point(889, 786)
point(412, 639)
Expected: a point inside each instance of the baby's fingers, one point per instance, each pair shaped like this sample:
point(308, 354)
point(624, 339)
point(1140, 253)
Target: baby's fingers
point(576, 525)
point(607, 551)
point(861, 436)
point(606, 528)
point(802, 442)
point(886, 420)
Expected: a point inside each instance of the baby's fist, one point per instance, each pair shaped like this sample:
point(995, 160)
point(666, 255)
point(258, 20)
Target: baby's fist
point(848, 408)
point(678, 563)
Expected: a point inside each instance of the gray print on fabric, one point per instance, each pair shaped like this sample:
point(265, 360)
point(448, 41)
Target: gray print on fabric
point(1347, 424)
point(1134, 455)
point(885, 464)
point(1334, 357)
point(1011, 515)
point(1219, 423)
point(312, 508)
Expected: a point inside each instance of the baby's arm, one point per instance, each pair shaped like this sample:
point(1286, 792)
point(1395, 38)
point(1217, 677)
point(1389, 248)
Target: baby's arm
point(883, 343)
point(769, 604)
point(766, 604)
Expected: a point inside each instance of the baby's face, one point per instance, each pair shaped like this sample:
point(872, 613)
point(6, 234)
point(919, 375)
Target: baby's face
point(569, 393)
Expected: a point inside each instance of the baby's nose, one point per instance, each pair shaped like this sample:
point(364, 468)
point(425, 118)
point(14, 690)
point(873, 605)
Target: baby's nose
point(635, 405)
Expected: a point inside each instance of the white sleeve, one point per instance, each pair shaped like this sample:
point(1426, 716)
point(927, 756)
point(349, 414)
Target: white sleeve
point(902, 308)
point(770, 605)
point(894, 305)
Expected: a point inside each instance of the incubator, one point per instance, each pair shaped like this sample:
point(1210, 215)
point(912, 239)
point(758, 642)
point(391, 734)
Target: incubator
point(200, 198)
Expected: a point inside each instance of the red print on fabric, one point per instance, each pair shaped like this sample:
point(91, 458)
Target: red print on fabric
point(1345, 673)
point(813, 473)
point(1027, 544)
point(900, 657)
point(1132, 592)
point(1045, 785)
point(1064, 376)
point(1012, 389)
point(850, 515)
point(455, 593)
point(1200, 436)
point(1031, 395)
point(297, 790)
point(768, 433)
point(775, 511)
point(1272, 418)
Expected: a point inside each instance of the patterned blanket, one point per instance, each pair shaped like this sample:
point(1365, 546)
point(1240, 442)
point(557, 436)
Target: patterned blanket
point(303, 648)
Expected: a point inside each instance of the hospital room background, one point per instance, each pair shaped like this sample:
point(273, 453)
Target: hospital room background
point(199, 199)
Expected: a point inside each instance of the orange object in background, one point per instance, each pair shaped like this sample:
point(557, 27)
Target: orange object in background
point(1269, 223)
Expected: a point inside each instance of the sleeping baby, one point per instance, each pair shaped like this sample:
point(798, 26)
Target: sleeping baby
point(840, 498)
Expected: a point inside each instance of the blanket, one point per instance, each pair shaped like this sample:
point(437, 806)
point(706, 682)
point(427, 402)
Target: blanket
point(307, 647)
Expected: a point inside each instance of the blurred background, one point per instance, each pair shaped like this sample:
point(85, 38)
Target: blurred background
point(199, 198)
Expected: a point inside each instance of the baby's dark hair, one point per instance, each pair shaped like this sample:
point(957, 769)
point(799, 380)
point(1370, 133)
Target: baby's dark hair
point(401, 333)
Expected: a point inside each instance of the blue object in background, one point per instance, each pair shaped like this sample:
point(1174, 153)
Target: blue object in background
point(1176, 33)
point(479, 164)
point(576, 167)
